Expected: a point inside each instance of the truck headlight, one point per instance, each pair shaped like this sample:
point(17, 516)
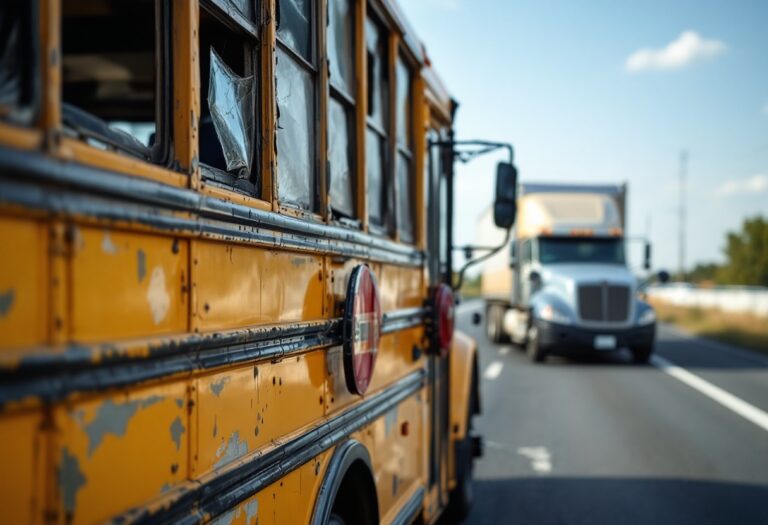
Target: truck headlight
point(647, 317)
point(553, 315)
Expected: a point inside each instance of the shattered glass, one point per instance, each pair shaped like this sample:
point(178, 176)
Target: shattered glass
point(404, 205)
point(339, 159)
point(295, 133)
point(341, 44)
point(231, 101)
point(294, 28)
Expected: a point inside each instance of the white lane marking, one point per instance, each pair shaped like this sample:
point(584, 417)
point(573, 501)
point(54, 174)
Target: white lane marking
point(504, 350)
point(717, 394)
point(541, 459)
point(493, 370)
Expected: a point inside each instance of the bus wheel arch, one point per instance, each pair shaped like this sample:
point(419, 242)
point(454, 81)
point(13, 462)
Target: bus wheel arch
point(348, 492)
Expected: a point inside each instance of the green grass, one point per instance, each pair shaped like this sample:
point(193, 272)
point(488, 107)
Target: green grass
point(744, 330)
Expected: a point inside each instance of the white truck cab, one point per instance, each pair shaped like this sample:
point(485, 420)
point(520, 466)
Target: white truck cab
point(564, 286)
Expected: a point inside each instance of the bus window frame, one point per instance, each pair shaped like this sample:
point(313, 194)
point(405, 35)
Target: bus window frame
point(350, 101)
point(388, 228)
point(401, 52)
point(161, 153)
point(317, 70)
point(249, 30)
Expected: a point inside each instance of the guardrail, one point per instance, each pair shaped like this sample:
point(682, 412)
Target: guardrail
point(732, 299)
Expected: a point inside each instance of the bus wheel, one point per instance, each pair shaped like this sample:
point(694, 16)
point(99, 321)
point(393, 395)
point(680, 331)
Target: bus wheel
point(461, 497)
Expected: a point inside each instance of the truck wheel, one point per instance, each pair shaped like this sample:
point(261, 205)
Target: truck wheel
point(533, 348)
point(495, 323)
point(642, 354)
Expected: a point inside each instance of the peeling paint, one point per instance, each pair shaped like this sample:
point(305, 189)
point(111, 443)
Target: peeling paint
point(180, 402)
point(215, 426)
point(218, 386)
point(227, 518)
point(107, 246)
point(113, 419)
point(165, 488)
point(390, 420)
point(251, 511)
point(6, 301)
point(177, 429)
point(231, 450)
point(71, 480)
point(142, 264)
point(157, 295)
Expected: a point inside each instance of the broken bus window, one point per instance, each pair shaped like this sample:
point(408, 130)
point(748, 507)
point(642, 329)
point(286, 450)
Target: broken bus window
point(112, 82)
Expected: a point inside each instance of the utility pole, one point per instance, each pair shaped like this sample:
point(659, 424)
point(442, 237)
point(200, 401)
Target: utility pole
point(682, 238)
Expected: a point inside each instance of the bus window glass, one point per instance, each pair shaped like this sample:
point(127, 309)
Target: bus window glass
point(380, 202)
point(246, 7)
point(405, 211)
point(404, 204)
point(374, 162)
point(339, 158)
point(295, 134)
point(378, 80)
point(403, 103)
point(341, 44)
point(17, 60)
point(294, 27)
point(341, 107)
point(110, 74)
point(228, 113)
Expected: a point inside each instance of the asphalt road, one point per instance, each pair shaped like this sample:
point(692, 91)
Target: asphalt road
point(602, 440)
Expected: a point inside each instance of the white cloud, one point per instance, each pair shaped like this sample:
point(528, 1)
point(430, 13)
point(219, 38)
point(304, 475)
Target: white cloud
point(687, 49)
point(750, 185)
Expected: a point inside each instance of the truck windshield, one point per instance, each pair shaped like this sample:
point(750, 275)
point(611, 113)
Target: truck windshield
point(580, 250)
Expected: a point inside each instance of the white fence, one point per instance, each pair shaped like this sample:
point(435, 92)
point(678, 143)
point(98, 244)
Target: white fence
point(733, 299)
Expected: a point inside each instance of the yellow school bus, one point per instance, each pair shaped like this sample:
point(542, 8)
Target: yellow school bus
point(224, 266)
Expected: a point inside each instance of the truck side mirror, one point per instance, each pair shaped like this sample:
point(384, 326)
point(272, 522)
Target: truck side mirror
point(505, 205)
point(647, 259)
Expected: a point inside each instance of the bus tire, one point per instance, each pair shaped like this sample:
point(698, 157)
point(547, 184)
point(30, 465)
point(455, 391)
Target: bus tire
point(461, 497)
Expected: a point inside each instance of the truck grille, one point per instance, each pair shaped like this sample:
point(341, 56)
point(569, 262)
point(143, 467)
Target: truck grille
point(604, 302)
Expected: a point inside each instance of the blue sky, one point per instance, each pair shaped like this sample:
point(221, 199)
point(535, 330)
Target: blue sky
point(556, 78)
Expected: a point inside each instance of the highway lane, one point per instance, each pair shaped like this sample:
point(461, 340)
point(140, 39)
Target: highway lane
point(602, 440)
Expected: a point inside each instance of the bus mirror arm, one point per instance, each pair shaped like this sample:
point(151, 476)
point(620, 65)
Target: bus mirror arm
point(469, 249)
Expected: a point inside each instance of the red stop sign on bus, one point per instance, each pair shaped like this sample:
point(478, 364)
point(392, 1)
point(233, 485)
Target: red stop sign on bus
point(361, 329)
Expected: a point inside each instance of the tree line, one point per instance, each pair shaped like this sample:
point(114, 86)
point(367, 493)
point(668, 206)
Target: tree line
point(746, 253)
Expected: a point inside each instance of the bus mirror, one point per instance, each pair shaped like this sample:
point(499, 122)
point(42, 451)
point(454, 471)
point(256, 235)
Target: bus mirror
point(647, 259)
point(505, 205)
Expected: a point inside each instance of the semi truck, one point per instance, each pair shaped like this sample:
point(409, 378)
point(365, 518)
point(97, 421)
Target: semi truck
point(563, 285)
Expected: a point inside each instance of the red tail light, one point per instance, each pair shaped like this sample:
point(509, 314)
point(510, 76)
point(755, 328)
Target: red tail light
point(444, 308)
point(361, 329)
